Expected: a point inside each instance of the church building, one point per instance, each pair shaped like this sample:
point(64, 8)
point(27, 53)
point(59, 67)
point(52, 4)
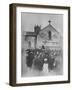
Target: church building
point(48, 37)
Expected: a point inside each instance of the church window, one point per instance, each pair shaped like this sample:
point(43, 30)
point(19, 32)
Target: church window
point(49, 33)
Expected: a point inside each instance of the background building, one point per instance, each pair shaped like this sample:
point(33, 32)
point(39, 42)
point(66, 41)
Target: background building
point(48, 37)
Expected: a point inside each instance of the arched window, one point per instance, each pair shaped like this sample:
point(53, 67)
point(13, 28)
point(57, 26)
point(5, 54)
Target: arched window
point(49, 33)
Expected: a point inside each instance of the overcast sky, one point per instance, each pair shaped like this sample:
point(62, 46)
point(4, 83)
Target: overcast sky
point(28, 21)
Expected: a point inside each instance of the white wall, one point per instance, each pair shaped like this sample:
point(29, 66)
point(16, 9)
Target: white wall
point(4, 45)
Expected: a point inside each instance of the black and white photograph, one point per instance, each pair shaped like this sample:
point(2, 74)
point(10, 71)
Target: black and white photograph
point(40, 52)
point(41, 44)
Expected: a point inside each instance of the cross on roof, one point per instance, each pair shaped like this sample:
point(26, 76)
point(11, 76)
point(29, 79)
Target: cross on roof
point(49, 21)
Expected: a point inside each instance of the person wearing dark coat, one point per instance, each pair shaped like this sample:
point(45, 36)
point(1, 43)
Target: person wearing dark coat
point(50, 63)
point(29, 58)
point(38, 62)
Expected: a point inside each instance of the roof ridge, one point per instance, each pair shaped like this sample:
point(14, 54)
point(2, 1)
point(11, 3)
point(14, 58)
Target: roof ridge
point(54, 28)
point(51, 26)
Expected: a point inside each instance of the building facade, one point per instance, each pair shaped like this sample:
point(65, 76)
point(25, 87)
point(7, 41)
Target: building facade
point(48, 37)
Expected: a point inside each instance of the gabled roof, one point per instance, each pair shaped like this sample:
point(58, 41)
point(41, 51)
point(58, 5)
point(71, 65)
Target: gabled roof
point(49, 27)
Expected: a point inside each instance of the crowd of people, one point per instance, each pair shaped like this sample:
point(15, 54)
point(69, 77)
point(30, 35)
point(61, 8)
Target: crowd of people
point(37, 58)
